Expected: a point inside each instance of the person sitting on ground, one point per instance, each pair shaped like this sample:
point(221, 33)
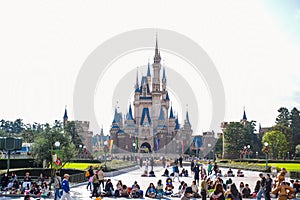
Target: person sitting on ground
point(296, 187)
point(241, 186)
point(135, 191)
point(188, 193)
point(180, 192)
point(119, 188)
point(159, 189)
point(195, 190)
point(228, 182)
point(108, 189)
point(233, 193)
point(45, 190)
point(41, 179)
point(151, 174)
point(218, 193)
point(239, 173)
point(124, 192)
point(285, 191)
point(35, 189)
point(230, 173)
point(145, 174)
point(166, 173)
point(4, 181)
point(27, 180)
point(246, 192)
point(169, 187)
point(151, 192)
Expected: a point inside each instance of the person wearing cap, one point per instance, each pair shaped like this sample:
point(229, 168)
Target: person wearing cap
point(188, 193)
point(65, 187)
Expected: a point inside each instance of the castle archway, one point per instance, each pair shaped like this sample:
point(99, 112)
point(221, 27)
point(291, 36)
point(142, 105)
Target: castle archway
point(145, 148)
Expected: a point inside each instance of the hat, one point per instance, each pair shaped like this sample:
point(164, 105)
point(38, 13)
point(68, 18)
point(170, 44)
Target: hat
point(97, 171)
point(66, 175)
point(188, 190)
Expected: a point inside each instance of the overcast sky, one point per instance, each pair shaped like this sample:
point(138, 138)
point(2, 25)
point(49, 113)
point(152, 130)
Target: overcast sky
point(255, 46)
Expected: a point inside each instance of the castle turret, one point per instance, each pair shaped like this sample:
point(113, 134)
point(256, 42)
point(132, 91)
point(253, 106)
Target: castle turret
point(65, 118)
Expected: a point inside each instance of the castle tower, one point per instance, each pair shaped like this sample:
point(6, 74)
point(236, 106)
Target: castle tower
point(65, 118)
point(244, 119)
point(156, 93)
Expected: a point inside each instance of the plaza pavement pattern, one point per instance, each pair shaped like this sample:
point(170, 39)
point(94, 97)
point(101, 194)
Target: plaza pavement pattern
point(79, 192)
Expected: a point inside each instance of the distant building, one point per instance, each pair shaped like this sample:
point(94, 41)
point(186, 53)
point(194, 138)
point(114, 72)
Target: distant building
point(82, 128)
point(151, 125)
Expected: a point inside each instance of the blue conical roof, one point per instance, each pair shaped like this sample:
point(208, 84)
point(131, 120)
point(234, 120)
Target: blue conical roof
point(244, 115)
point(148, 70)
point(65, 114)
point(171, 113)
point(161, 115)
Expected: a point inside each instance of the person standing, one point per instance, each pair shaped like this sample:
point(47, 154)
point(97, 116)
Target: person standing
point(203, 189)
point(180, 161)
point(209, 168)
point(262, 187)
point(163, 162)
point(268, 187)
point(95, 185)
point(101, 178)
point(89, 175)
point(176, 172)
point(66, 188)
point(57, 186)
point(196, 171)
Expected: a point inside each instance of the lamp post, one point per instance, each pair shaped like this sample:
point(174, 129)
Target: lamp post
point(209, 145)
point(248, 151)
point(133, 149)
point(80, 151)
point(288, 155)
point(57, 145)
point(266, 152)
point(105, 151)
point(256, 155)
point(84, 152)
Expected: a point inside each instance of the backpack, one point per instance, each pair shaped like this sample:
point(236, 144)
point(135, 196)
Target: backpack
point(87, 173)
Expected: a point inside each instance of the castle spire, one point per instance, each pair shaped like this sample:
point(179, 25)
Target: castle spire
point(164, 73)
point(148, 70)
point(65, 114)
point(244, 115)
point(171, 113)
point(157, 57)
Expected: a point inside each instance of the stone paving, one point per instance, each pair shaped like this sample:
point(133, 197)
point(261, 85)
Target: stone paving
point(80, 192)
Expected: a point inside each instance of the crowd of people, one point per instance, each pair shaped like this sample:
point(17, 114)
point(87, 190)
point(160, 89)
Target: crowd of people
point(208, 182)
point(37, 188)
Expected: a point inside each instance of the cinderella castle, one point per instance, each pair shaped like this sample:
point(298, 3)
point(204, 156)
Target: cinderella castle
point(151, 125)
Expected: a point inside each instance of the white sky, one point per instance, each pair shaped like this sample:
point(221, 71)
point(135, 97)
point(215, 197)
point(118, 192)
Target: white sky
point(43, 45)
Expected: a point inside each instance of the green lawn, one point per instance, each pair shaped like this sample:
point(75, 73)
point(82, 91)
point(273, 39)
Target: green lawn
point(288, 166)
point(115, 164)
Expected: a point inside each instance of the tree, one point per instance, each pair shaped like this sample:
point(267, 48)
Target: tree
point(283, 117)
point(298, 149)
point(295, 129)
point(44, 143)
point(277, 143)
point(236, 136)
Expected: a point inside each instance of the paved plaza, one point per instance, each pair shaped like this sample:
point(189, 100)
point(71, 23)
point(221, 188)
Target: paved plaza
point(79, 192)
